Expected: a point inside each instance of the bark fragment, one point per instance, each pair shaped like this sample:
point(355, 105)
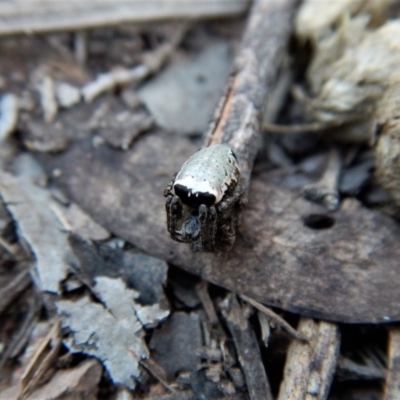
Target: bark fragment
point(310, 365)
point(247, 348)
point(392, 384)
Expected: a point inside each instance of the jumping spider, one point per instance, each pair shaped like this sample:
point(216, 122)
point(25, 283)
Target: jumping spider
point(202, 200)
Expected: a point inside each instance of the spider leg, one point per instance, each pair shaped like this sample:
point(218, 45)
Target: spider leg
point(228, 219)
point(227, 233)
point(173, 207)
point(169, 187)
point(227, 206)
point(208, 227)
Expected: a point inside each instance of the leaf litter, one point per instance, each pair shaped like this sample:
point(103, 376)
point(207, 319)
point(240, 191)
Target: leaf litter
point(53, 256)
point(112, 334)
point(109, 296)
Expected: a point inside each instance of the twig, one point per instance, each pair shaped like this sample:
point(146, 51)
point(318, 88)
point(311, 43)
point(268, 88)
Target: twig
point(42, 361)
point(310, 366)
point(247, 349)
point(276, 318)
point(312, 127)
point(202, 292)
point(14, 288)
point(265, 327)
point(237, 121)
point(326, 190)
point(22, 334)
point(151, 63)
point(392, 384)
point(41, 16)
point(9, 248)
point(349, 370)
point(158, 372)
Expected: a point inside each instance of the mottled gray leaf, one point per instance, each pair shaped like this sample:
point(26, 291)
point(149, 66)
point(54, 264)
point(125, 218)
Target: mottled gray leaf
point(96, 332)
point(112, 332)
point(31, 208)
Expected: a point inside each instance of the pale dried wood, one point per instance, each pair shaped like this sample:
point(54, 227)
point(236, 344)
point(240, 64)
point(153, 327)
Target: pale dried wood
point(392, 384)
point(310, 365)
point(43, 16)
point(152, 62)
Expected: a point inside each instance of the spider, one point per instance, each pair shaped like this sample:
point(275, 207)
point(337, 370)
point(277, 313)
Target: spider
point(202, 200)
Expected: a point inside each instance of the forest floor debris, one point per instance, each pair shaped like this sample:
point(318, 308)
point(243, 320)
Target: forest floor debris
point(94, 302)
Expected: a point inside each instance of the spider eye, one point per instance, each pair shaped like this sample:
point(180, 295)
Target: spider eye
point(194, 200)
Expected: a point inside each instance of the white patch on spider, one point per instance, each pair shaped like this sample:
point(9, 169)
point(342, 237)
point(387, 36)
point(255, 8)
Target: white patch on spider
point(197, 187)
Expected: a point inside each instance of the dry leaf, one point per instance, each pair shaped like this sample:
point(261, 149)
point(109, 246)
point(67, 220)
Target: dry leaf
point(342, 272)
point(114, 334)
point(31, 209)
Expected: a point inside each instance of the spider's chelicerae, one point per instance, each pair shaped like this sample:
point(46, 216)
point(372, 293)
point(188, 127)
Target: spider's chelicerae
point(202, 200)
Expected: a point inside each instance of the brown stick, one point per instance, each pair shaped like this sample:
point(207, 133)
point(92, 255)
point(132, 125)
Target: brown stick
point(14, 288)
point(237, 122)
point(392, 384)
point(275, 317)
point(202, 292)
point(247, 349)
point(42, 16)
